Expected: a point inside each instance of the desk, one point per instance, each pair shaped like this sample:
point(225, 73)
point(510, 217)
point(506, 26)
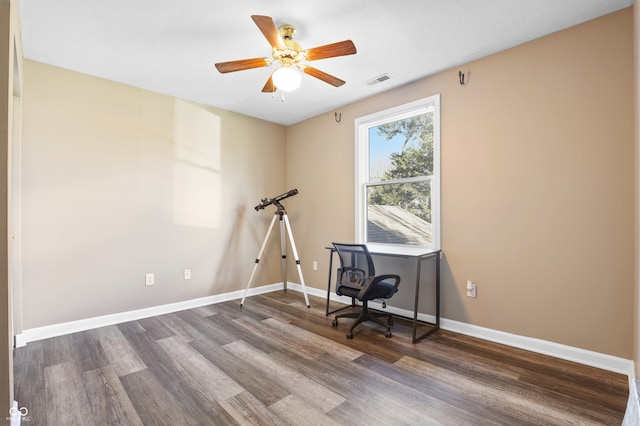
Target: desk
point(418, 253)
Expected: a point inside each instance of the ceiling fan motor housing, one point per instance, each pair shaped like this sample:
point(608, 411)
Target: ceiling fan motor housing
point(287, 31)
point(292, 54)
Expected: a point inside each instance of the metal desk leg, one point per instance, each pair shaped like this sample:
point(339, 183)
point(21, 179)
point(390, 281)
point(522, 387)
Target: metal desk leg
point(329, 281)
point(435, 326)
point(415, 307)
point(438, 291)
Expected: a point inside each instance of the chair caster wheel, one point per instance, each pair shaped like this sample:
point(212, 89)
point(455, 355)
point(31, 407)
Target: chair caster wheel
point(349, 335)
point(387, 334)
point(334, 323)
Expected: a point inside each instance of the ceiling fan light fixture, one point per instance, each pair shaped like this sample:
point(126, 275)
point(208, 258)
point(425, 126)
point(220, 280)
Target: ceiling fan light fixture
point(291, 57)
point(286, 79)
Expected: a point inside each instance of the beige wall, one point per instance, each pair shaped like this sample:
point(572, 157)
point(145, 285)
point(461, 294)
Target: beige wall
point(537, 186)
point(119, 182)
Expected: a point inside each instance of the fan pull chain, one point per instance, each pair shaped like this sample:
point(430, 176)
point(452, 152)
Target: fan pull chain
point(273, 96)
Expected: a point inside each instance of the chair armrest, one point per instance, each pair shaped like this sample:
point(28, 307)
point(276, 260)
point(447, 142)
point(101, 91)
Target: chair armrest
point(371, 284)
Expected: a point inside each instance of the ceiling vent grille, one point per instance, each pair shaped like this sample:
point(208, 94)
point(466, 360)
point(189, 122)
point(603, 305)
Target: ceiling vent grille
point(378, 79)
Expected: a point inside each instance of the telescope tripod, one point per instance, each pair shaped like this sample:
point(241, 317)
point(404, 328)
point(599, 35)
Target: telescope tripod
point(280, 214)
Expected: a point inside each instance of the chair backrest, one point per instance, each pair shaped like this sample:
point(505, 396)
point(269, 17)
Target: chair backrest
point(356, 263)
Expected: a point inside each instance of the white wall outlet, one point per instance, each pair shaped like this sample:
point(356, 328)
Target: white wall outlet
point(187, 274)
point(472, 290)
point(149, 279)
point(315, 265)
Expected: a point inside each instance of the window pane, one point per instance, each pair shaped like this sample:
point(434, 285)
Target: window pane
point(398, 175)
point(402, 148)
point(399, 213)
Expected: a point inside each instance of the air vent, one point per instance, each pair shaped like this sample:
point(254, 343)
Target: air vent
point(378, 79)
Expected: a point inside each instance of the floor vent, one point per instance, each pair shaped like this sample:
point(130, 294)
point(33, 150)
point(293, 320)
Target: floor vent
point(378, 79)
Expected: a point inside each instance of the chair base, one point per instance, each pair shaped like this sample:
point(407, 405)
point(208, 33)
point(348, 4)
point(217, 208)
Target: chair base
point(365, 315)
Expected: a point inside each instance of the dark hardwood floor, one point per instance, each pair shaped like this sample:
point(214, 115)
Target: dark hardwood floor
point(277, 362)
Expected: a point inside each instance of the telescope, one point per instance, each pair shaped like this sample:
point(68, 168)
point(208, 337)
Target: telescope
point(275, 200)
point(285, 226)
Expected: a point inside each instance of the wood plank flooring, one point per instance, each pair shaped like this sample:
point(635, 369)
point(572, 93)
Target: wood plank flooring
point(276, 362)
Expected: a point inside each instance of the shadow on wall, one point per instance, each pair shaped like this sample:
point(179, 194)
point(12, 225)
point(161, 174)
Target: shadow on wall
point(452, 293)
point(227, 272)
point(197, 188)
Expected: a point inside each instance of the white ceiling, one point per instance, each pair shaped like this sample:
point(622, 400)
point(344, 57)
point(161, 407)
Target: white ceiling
point(170, 46)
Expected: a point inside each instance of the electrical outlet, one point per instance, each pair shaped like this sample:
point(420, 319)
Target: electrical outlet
point(472, 289)
point(149, 279)
point(187, 274)
point(315, 265)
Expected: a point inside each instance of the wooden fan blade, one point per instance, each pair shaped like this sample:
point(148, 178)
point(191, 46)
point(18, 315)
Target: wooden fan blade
point(269, 30)
point(340, 48)
point(321, 75)
point(242, 64)
point(269, 87)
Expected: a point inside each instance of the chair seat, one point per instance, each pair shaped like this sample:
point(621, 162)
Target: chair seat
point(382, 290)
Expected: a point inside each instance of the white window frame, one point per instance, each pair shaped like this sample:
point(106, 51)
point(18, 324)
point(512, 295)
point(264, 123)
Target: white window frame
point(362, 179)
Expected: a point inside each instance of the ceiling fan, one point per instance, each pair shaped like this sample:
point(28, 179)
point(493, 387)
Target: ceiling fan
point(291, 57)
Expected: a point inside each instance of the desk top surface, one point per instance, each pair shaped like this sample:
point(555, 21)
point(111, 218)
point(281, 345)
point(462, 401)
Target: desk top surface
point(400, 250)
point(393, 250)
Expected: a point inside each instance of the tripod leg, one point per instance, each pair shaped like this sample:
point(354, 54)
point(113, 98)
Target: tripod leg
point(295, 253)
point(283, 251)
point(255, 267)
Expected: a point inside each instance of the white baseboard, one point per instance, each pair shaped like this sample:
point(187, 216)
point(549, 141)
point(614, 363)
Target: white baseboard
point(582, 356)
point(569, 353)
point(39, 333)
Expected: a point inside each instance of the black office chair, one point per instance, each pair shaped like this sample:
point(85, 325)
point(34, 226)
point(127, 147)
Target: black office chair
point(357, 278)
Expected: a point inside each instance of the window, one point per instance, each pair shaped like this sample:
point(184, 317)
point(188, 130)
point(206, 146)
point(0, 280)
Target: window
point(398, 175)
